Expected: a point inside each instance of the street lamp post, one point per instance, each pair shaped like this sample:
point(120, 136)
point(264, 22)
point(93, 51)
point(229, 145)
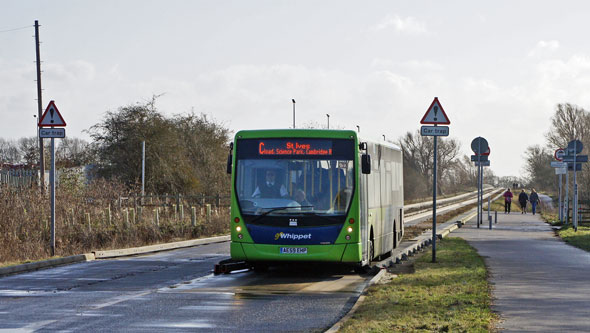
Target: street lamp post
point(327, 115)
point(293, 112)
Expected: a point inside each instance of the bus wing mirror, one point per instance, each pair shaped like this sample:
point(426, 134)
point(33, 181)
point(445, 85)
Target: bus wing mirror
point(229, 159)
point(366, 164)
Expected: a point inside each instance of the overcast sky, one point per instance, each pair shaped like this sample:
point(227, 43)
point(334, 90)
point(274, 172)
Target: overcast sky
point(497, 67)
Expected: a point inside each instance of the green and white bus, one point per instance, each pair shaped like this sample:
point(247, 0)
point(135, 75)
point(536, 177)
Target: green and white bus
point(314, 196)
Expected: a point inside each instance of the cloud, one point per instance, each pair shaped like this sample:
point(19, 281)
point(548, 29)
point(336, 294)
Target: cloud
point(409, 25)
point(544, 47)
point(410, 65)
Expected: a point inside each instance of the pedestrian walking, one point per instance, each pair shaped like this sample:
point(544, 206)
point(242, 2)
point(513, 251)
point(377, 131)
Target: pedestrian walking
point(507, 201)
point(522, 199)
point(534, 199)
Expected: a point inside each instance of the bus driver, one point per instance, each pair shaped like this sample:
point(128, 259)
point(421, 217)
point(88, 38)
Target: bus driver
point(270, 188)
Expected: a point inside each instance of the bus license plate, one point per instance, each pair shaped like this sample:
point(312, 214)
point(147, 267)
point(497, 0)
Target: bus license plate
point(294, 250)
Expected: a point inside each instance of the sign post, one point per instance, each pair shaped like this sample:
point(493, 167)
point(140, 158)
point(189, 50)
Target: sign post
point(559, 170)
point(574, 160)
point(481, 149)
point(50, 118)
point(435, 115)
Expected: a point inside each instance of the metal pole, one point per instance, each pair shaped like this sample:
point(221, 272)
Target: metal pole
point(434, 204)
point(293, 112)
point(489, 215)
point(39, 109)
point(478, 192)
point(52, 186)
point(575, 207)
point(478, 181)
point(481, 192)
point(567, 196)
point(560, 203)
point(142, 169)
point(327, 115)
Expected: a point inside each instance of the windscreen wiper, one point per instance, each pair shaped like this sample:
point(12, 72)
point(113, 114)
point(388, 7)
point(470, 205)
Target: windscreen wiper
point(274, 209)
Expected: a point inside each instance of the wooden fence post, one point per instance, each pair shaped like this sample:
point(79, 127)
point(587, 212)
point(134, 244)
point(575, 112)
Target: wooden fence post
point(109, 218)
point(194, 216)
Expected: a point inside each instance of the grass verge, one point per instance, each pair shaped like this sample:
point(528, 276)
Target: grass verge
point(451, 295)
point(579, 239)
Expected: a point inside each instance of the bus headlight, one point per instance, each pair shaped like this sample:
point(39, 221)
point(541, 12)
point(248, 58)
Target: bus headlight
point(240, 236)
point(347, 237)
point(349, 229)
point(238, 228)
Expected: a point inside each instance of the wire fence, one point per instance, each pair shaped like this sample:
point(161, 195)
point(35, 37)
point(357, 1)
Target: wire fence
point(18, 177)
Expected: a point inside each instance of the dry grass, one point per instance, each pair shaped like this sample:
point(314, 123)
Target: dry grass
point(83, 223)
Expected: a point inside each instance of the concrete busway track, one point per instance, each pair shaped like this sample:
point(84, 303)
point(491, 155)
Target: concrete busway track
point(428, 204)
point(175, 290)
point(413, 219)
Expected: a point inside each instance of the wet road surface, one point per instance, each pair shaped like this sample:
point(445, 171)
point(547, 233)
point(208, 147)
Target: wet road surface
point(175, 291)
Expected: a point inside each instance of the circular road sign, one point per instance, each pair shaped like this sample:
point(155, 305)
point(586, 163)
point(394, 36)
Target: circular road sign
point(576, 146)
point(479, 145)
point(559, 154)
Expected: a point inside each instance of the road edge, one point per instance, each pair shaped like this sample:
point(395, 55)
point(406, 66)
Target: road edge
point(33, 266)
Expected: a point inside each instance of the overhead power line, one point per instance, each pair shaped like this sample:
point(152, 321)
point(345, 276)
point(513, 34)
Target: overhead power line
point(15, 29)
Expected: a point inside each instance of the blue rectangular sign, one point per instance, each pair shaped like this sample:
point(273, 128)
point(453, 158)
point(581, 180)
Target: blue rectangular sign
point(579, 158)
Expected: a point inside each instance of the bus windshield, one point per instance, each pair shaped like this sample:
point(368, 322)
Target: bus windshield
point(294, 176)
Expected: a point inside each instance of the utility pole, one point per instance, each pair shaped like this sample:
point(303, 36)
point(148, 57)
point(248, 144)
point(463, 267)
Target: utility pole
point(39, 109)
point(142, 170)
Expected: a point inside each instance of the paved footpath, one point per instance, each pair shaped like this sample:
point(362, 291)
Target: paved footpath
point(540, 284)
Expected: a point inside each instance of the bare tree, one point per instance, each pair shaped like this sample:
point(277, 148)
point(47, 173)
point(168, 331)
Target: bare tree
point(72, 152)
point(568, 123)
point(538, 168)
point(29, 150)
point(9, 152)
point(418, 154)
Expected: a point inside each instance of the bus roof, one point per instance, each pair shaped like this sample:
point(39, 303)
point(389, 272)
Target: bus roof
point(311, 133)
point(301, 133)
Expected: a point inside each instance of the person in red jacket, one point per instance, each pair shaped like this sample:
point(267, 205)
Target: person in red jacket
point(507, 201)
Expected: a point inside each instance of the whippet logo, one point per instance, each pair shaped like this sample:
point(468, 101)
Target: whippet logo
point(288, 235)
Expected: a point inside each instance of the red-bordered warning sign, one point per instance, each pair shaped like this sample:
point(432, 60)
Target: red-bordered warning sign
point(52, 117)
point(435, 114)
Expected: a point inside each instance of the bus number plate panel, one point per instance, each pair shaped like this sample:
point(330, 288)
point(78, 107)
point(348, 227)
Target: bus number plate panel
point(293, 250)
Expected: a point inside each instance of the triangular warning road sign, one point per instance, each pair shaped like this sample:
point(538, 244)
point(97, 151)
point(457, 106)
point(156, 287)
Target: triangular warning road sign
point(52, 117)
point(435, 114)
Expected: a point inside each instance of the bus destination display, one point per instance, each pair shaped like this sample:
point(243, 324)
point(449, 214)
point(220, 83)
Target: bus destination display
point(295, 147)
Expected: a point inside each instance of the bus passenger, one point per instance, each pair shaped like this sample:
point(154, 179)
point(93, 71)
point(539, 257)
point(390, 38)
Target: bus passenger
point(270, 188)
